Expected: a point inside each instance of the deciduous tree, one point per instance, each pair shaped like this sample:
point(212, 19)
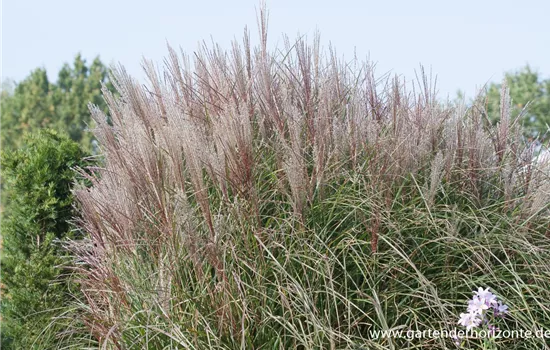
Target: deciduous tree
point(528, 90)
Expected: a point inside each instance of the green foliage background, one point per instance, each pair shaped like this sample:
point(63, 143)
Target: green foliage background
point(528, 90)
point(44, 135)
point(38, 178)
point(37, 103)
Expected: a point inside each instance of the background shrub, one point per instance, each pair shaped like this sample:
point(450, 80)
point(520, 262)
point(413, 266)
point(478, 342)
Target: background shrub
point(36, 289)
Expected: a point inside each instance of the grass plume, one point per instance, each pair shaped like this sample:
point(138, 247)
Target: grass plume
point(252, 199)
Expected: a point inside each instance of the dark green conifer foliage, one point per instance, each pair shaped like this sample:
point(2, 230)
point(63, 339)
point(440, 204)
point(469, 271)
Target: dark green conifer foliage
point(36, 219)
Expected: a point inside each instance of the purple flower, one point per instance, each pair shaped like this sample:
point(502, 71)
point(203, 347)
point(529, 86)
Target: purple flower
point(501, 309)
point(489, 298)
point(477, 315)
point(477, 305)
point(469, 320)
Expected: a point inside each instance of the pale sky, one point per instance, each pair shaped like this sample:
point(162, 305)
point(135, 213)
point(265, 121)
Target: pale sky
point(466, 43)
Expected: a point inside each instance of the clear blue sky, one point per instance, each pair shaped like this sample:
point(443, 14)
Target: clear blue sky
point(466, 43)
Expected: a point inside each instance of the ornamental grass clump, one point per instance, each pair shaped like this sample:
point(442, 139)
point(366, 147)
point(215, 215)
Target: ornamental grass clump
point(257, 199)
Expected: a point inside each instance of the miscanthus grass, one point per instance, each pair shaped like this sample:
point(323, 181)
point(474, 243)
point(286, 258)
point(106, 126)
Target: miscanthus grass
point(256, 199)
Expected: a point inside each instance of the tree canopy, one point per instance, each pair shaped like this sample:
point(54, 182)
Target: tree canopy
point(530, 92)
point(36, 103)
